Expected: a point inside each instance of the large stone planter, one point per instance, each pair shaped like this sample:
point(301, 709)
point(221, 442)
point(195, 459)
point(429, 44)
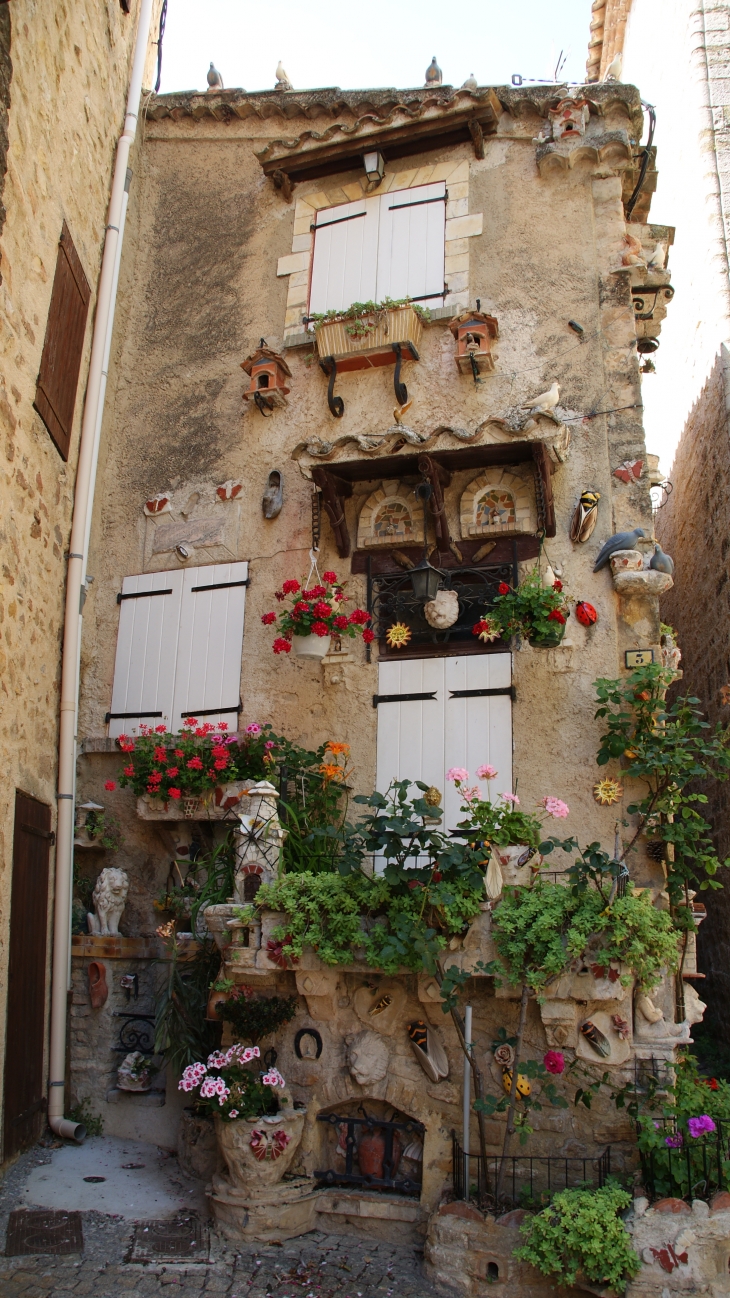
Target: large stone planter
point(239, 1140)
point(218, 804)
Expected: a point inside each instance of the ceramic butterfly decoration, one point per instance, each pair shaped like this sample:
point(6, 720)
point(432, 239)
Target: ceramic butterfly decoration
point(265, 1145)
point(629, 471)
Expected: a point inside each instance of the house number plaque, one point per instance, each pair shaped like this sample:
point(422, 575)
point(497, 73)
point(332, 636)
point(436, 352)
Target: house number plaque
point(639, 658)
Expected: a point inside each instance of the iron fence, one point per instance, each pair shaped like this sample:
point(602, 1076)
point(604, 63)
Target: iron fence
point(527, 1178)
point(688, 1167)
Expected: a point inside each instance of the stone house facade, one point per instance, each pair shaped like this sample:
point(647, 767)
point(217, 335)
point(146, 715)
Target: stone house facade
point(63, 86)
point(502, 210)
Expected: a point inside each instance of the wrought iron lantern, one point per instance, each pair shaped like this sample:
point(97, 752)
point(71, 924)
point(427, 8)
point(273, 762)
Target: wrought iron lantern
point(374, 164)
point(425, 579)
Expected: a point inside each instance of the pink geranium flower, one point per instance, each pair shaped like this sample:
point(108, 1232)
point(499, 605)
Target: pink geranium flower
point(457, 774)
point(555, 808)
point(511, 797)
point(487, 772)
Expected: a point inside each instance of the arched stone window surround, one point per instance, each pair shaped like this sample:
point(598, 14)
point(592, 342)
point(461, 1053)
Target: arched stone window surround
point(518, 504)
point(389, 495)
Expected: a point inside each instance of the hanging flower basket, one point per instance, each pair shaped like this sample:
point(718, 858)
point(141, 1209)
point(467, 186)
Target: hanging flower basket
point(547, 638)
point(314, 615)
point(536, 612)
point(311, 646)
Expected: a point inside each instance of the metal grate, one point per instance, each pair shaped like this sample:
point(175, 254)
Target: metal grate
point(527, 1179)
point(170, 1241)
point(390, 1179)
point(32, 1230)
point(391, 599)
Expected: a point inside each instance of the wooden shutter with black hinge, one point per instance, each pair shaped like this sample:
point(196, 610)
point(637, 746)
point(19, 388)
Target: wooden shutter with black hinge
point(55, 395)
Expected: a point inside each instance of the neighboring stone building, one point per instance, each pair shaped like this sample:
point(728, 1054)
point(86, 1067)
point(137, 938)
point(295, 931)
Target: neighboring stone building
point(680, 50)
point(503, 211)
point(64, 74)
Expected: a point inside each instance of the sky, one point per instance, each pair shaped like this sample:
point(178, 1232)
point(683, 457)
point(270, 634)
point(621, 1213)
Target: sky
point(380, 43)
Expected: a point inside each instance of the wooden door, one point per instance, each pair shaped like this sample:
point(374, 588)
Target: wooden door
point(24, 1100)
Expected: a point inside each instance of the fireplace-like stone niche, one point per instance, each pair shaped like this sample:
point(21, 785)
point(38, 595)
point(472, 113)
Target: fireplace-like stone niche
point(371, 1145)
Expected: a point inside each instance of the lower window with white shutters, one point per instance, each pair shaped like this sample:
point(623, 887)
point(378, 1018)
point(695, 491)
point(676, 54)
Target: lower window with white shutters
point(437, 713)
point(179, 648)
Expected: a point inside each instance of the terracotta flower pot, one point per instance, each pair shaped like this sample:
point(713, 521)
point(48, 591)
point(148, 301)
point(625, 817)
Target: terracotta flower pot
point(311, 646)
point(215, 998)
point(371, 1153)
point(258, 1151)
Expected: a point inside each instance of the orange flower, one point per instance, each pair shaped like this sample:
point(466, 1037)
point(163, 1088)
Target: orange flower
point(330, 771)
point(337, 748)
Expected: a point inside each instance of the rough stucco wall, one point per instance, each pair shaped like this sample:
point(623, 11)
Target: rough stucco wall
point(70, 68)
point(694, 526)
point(198, 288)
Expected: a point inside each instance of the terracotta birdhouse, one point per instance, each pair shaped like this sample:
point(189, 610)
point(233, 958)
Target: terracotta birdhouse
point(474, 333)
point(268, 372)
point(569, 117)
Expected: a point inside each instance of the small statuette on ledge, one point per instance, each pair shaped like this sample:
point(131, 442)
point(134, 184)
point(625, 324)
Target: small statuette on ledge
point(109, 898)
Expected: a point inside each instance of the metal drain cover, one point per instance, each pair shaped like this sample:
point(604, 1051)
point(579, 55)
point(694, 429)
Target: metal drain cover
point(32, 1230)
point(179, 1238)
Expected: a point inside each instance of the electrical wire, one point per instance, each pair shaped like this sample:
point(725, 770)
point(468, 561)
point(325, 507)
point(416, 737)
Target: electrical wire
point(158, 43)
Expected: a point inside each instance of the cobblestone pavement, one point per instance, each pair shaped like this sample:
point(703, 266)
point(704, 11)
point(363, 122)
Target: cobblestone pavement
point(314, 1266)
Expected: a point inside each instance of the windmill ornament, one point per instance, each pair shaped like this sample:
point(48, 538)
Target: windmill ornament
point(259, 836)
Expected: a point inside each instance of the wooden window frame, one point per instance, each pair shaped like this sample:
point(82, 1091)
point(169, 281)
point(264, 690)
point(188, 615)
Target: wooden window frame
point(63, 346)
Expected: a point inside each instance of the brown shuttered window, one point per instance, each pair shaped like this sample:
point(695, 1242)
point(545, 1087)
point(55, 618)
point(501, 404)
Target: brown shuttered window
point(55, 394)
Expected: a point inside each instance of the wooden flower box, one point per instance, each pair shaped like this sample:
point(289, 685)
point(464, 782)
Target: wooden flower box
point(400, 324)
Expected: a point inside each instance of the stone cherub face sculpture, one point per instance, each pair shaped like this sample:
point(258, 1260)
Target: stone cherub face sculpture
point(367, 1057)
point(109, 898)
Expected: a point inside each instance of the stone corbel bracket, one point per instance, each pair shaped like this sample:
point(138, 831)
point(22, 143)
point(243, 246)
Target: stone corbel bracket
point(319, 988)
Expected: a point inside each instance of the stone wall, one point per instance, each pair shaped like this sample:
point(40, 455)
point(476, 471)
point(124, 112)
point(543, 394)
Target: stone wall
point(694, 526)
point(64, 73)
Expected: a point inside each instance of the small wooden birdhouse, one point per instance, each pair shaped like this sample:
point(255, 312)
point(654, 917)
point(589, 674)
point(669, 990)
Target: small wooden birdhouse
point(268, 372)
point(569, 117)
point(474, 333)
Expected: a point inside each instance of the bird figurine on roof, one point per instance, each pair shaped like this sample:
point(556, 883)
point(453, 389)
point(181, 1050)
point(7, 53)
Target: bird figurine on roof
point(471, 83)
point(661, 562)
point(619, 541)
point(545, 403)
point(615, 68)
point(282, 80)
point(214, 79)
point(434, 76)
point(658, 258)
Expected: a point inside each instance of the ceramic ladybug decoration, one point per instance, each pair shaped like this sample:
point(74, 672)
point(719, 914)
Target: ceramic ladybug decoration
point(585, 613)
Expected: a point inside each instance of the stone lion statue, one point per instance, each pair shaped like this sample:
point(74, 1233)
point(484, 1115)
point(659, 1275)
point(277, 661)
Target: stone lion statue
point(367, 1057)
point(442, 611)
point(109, 898)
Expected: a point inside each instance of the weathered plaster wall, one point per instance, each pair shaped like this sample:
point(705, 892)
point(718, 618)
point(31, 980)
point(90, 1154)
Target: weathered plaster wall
point(199, 287)
point(695, 524)
point(70, 68)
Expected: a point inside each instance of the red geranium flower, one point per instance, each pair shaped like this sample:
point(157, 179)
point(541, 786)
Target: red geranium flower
point(320, 628)
point(359, 616)
point(556, 616)
point(179, 752)
point(160, 730)
point(174, 793)
point(190, 722)
point(437, 876)
point(712, 1083)
point(321, 609)
point(171, 772)
point(368, 635)
point(195, 764)
point(281, 646)
point(221, 764)
point(557, 584)
point(222, 725)
point(300, 607)
point(268, 618)
point(340, 622)
point(317, 592)
point(129, 771)
point(291, 587)
point(156, 775)
point(160, 754)
point(110, 785)
point(503, 588)
point(340, 595)
point(329, 576)
point(127, 748)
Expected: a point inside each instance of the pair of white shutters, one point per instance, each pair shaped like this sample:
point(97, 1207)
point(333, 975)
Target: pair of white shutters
point(179, 648)
point(421, 739)
point(391, 246)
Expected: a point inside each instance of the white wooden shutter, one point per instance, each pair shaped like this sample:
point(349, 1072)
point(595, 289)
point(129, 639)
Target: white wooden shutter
point(144, 671)
point(208, 671)
point(345, 255)
point(411, 244)
point(179, 651)
point(421, 739)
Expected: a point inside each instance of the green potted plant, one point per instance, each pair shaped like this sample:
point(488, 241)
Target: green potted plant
point(581, 1238)
point(536, 612)
point(368, 327)
point(311, 617)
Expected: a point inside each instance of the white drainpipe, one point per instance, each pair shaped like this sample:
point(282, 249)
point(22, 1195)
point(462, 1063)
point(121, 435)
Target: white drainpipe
point(76, 586)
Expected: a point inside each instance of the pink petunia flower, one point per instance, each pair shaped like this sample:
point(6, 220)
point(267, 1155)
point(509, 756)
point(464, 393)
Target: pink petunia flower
point(487, 772)
point(555, 808)
point(457, 773)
